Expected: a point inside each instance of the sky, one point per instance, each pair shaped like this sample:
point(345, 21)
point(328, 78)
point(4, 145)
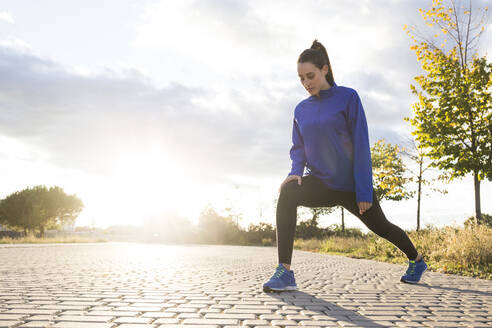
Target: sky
point(147, 109)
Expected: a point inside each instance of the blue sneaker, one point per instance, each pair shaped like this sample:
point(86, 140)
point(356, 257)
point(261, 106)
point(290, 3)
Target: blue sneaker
point(414, 272)
point(281, 280)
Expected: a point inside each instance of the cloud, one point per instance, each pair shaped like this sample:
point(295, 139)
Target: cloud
point(223, 43)
point(232, 84)
point(16, 44)
point(6, 17)
point(82, 120)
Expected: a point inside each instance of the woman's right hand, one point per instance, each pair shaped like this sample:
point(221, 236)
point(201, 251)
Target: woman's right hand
point(290, 178)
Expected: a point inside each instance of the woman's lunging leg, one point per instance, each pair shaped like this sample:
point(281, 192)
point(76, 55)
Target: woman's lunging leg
point(286, 221)
point(310, 193)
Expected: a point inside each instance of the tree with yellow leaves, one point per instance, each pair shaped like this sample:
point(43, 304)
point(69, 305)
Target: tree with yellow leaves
point(453, 114)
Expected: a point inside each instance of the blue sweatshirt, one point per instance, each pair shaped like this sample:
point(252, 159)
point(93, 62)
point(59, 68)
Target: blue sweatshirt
point(330, 139)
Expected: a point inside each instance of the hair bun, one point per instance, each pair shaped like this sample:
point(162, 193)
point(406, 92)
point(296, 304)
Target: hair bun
point(317, 45)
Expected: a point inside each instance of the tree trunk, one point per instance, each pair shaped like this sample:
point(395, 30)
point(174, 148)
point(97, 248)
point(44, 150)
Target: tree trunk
point(314, 220)
point(418, 197)
point(343, 222)
point(41, 232)
point(478, 213)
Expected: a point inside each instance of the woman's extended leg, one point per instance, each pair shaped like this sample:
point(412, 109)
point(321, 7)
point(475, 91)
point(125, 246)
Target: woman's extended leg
point(375, 220)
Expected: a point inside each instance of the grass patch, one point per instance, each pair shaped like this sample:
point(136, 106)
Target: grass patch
point(466, 252)
point(49, 240)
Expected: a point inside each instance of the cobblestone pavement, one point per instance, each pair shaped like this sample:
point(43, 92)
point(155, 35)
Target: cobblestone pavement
point(129, 285)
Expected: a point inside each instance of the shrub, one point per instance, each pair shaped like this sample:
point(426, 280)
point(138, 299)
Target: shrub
point(267, 242)
point(449, 249)
point(486, 220)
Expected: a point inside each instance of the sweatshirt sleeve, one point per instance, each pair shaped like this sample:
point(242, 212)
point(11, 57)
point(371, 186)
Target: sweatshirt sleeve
point(297, 154)
point(362, 152)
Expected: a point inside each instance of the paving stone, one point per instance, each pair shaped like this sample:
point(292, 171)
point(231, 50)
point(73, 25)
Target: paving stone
point(9, 324)
point(221, 306)
point(166, 321)
point(443, 324)
point(380, 317)
point(189, 316)
point(35, 324)
point(82, 325)
point(30, 311)
point(63, 307)
point(272, 317)
point(255, 322)
point(83, 318)
point(445, 318)
point(193, 306)
point(114, 313)
point(210, 322)
point(239, 316)
point(206, 302)
point(70, 312)
point(12, 317)
point(248, 311)
point(133, 320)
point(409, 324)
point(22, 306)
point(136, 308)
point(319, 323)
point(204, 311)
point(284, 323)
point(39, 317)
point(286, 312)
point(298, 317)
point(130, 325)
point(188, 326)
point(157, 315)
point(182, 310)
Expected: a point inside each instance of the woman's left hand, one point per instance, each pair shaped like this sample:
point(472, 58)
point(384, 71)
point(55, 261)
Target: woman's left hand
point(364, 206)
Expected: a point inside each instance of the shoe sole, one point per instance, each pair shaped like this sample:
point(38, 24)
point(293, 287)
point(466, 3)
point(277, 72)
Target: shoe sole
point(413, 282)
point(288, 288)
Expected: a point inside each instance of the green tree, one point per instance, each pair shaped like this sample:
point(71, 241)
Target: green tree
point(417, 155)
point(453, 114)
point(39, 208)
point(309, 228)
point(261, 232)
point(388, 172)
point(14, 211)
point(216, 229)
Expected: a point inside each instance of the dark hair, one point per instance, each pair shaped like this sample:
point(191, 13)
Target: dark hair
point(318, 56)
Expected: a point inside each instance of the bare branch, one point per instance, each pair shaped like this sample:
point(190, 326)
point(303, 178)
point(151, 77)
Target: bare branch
point(457, 22)
point(468, 32)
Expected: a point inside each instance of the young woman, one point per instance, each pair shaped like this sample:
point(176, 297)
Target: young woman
point(330, 140)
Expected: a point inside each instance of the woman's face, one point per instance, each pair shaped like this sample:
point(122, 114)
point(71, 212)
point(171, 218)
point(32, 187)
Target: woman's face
point(312, 78)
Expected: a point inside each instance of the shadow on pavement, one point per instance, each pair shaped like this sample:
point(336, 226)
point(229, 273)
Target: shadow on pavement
point(331, 311)
point(467, 291)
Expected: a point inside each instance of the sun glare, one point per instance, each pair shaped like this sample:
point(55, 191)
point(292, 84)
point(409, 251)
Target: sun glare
point(147, 184)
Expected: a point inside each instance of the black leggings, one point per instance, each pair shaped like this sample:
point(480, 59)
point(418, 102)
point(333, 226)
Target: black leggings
point(312, 193)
